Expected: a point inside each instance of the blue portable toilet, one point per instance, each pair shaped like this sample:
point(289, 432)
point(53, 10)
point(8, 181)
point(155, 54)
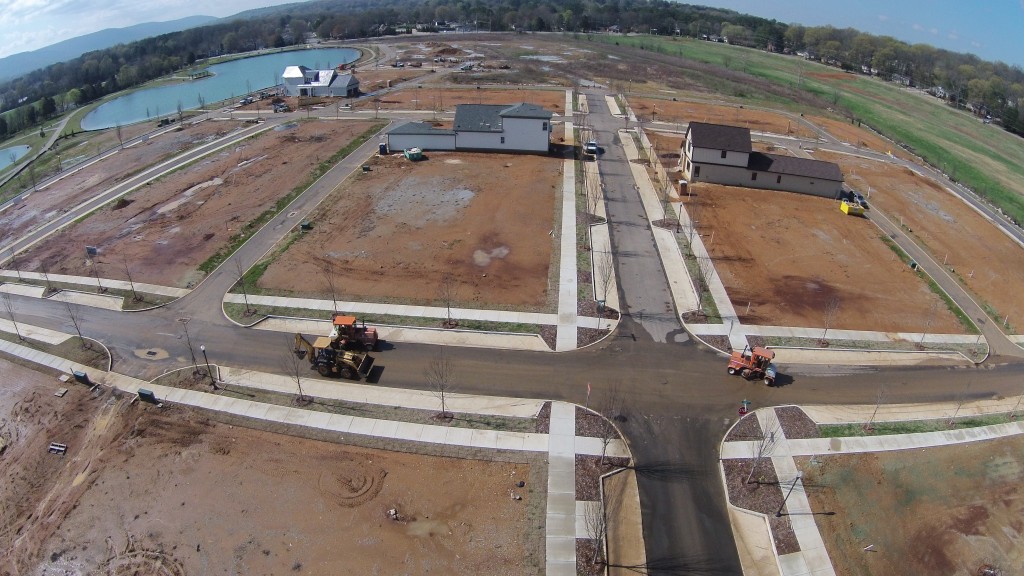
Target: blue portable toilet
point(383, 148)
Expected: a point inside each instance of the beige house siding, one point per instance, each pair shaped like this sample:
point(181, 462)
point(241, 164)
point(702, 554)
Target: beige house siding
point(737, 176)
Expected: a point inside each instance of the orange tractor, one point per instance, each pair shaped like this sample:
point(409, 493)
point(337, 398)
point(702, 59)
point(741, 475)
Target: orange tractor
point(753, 363)
point(349, 334)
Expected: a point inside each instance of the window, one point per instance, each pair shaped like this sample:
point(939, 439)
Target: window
point(687, 165)
point(544, 126)
point(724, 153)
point(753, 176)
point(502, 139)
point(696, 171)
point(778, 179)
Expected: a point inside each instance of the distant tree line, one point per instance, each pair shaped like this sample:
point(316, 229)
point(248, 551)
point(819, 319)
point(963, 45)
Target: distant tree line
point(987, 88)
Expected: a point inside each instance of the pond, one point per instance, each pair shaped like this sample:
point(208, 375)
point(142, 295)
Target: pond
point(12, 154)
point(229, 79)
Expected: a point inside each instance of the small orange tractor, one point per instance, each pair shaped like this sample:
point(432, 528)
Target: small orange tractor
point(753, 363)
point(349, 334)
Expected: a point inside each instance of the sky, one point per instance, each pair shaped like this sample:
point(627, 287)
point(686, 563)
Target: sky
point(30, 24)
point(990, 29)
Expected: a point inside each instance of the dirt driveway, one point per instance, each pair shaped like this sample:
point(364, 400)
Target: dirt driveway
point(948, 510)
point(153, 492)
point(788, 255)
point(391, 234)
point(437, 98)
point(988, 262)
point(167, 229)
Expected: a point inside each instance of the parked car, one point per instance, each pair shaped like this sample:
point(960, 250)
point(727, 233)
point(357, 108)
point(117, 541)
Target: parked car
point(860, 199)
point(591, 147)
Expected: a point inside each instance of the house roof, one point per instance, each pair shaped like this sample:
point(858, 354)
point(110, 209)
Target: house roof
point(478, 117)
point(525, 110)
point(488, 117)
point(775, 164)
point(719, 137)
point(419, 129)
point(295, 72)
point(345, 80)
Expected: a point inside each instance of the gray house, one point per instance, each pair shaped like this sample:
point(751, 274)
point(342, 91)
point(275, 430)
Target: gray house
point(501, 127)
point(723, 155)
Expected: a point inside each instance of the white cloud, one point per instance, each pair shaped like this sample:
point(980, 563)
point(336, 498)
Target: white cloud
point(935, 31)
point(953, 36)
point(884, 18)
point(977, 44)
point(917, 26)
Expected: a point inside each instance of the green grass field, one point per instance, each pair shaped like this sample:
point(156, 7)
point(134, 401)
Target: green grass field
point(984, 157)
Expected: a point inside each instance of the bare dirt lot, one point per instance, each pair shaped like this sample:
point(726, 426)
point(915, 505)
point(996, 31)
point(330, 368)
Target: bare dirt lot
point(87, 182)
point(948, 510)
point(679, 111)
point(394, 232)
point(859, 137)
point(165, 230)
point(950, 229)
point(434, 98)
point(788, 255)
point(167, 492)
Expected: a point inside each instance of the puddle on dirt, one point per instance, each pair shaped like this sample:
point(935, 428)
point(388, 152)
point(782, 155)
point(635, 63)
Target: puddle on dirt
point(484, 257)
point(287, 126)
point(453, 161)
point(544, 57)
point(426, 528)
point(151, 353)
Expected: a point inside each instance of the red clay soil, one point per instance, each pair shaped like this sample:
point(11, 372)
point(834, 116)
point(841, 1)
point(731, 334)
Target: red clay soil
point(393, 233)
point(946, 510)
point(75, 188)
point(165, 230)
point(669, 111)
point(435, 98)
point(950, 229)
point(859, 137)
point(789, 254)
point(153, 492)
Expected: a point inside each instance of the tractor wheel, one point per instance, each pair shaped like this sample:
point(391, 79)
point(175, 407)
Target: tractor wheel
point(745, 373)
point(324, 370)
point(732, 371)
point(348, 373)
point(769, 381)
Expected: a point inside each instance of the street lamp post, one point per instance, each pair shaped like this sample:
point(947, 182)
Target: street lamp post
point(184, 324)
point(213, 381)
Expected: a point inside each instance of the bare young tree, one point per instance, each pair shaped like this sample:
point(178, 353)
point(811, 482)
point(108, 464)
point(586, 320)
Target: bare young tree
point(932, 309)
point(240, 280)
point(75, 315)
point(295, 366)
point(831, 311)
point(705, 266)
point(447, 290)
point(765, 444)
point(879, 399)
point(597, 529)
point(128, 272)
point(44, 269)
point(960, 403)
point(120, 137)
point(611, 408)
point(14, 262)
point(605, 272)
point(9, 305)
point(440, 375)
point(328, 268)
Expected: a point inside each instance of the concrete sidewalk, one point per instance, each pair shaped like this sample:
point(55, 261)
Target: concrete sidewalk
point(89, 282)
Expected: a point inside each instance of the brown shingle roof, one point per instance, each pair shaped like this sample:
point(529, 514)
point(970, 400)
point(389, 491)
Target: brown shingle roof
point(720, 137)
point(776, 164)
